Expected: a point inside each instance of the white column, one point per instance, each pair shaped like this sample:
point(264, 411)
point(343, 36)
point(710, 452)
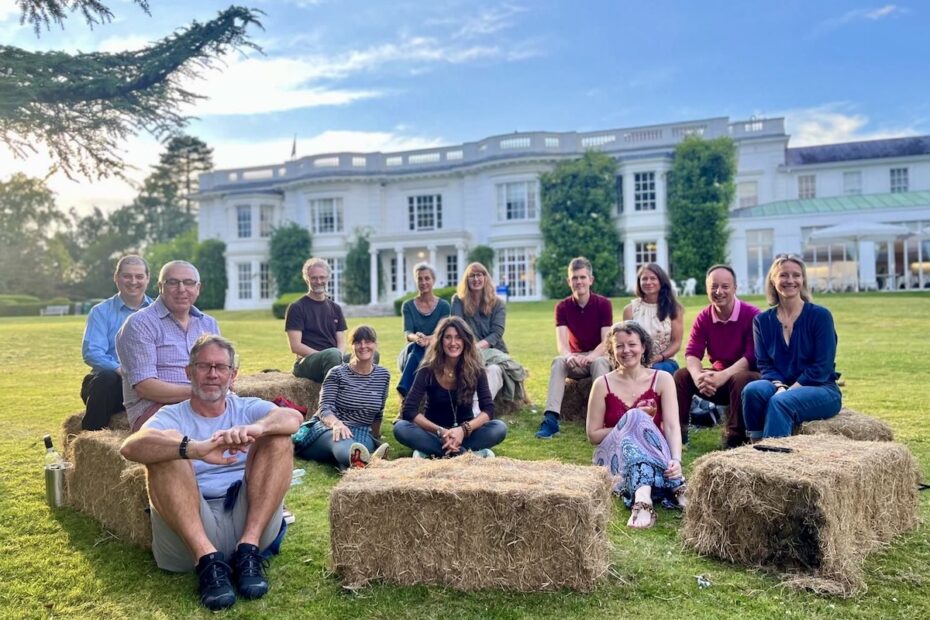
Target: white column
point(432, 255)
point(892, 268)
point(460, 257)
point(399, 258)
point(373, 276)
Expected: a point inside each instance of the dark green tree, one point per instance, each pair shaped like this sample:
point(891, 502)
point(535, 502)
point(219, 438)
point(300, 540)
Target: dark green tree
point(483, 254)
point(95, 243)
point(184, 159)
point(358, 270)
point(289, 246)
point(33, 259)
point(578, 198)
point(81, 107)
point(183, 247)
point(700, 190)
point(210, 259)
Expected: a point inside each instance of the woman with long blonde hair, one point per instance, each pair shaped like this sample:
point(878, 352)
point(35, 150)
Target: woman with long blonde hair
point(477, 303)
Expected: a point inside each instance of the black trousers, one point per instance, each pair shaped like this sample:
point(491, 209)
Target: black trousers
point(102, 393)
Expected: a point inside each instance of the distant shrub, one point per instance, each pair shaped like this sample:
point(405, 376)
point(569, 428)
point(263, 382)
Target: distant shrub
point(445, 292)
point(279, 307)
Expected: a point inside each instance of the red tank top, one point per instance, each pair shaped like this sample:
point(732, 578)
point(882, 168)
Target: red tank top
point(614, 408)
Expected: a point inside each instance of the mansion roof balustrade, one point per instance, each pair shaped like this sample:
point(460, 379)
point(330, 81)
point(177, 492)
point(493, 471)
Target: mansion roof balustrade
point(509, 146)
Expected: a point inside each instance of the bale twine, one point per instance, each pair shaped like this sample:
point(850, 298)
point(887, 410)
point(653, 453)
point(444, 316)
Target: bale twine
point(105, 486)
point(814, 513)
point(851, 424)
point(270, 385)
point(575, 400)
point(72, 428)
point(472, 523)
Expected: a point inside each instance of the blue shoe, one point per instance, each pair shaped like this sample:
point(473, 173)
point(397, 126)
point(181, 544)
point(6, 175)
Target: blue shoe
point(216, 589)
point(249, 569)
point(549, 427)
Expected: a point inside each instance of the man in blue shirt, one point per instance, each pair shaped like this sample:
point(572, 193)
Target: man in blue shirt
point(102, 389)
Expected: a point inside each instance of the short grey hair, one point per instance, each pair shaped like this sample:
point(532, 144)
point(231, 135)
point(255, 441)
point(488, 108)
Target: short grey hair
point(423, 267)
point(310, 263)
point(131, 259)
point(214, 339)
point(176, 263)
point(580, 262)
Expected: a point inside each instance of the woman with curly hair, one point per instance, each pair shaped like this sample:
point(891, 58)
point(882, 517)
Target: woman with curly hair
point(449, 377)
point(656, 308)
point(633, 421)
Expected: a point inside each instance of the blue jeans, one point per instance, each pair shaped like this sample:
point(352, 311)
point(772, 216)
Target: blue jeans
point(768, 414)
point(414, 357)
point(416, 438)
point(325, 450)
point(669, 366)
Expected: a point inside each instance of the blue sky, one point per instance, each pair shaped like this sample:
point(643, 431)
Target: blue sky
point(381, 75)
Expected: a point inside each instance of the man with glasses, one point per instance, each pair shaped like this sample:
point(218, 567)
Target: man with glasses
point(217, 466)
point(154, 343)
point(102, 389)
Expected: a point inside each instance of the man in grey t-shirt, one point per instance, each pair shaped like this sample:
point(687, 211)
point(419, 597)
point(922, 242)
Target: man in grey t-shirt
point(224, 459)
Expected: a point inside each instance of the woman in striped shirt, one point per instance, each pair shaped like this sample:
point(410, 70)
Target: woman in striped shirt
point(344, 429)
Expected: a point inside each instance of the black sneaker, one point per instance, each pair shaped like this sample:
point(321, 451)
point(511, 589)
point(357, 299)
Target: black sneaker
point(249, 567)
point(216, 590)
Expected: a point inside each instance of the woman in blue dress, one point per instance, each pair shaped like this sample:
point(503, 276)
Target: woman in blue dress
point(421, 315)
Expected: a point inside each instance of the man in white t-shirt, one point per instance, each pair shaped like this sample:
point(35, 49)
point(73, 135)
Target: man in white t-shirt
point(217, 467)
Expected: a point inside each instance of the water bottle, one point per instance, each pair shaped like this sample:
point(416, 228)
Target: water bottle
point(297, 477)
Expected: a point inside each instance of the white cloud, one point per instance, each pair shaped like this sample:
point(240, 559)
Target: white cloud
point(8, 10)
point(835, 122)
point(488, 21)
point(860, 15)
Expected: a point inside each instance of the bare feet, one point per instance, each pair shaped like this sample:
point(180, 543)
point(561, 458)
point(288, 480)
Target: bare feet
point(643, 516)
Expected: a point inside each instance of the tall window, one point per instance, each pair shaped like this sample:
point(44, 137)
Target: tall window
point(646, 253)
point(852, 183)
point(758, 257)
point(398, 274)
point(517, 268)
point(264, 281)
point(829, 267)
point(244, 221)
point(265, 220)
point(334, 286)
point(516, 201)
point(452, 269)
point(644, 191)
point(619, 188)
point(898, 178)
point(425, 212)
point(807, 186)
point(748, 192)
point(245, 280)
point(326, 215)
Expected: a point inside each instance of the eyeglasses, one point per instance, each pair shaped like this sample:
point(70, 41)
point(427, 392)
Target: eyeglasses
point(175, 283)
point(205, 367)
point(477, 275)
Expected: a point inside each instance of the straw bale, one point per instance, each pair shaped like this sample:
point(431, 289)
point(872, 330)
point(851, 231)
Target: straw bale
point(503, 406)
point(72, 428)
point(105, 486)
point(575, 401)
point(270, 385)
point(851, 424)
point(472, 523)
point(814, 513)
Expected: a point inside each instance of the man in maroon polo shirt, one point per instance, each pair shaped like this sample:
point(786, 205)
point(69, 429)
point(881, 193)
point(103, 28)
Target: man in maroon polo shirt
point(582, 321)
point(724, 330)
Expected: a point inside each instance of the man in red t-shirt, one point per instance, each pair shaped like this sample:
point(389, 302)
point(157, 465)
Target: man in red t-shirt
point(582, 322)
point(724, 330)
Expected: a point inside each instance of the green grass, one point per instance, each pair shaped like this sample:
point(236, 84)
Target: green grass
point(59, 563)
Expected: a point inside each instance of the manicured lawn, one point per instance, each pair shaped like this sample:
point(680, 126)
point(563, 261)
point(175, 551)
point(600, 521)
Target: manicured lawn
point(61, 564)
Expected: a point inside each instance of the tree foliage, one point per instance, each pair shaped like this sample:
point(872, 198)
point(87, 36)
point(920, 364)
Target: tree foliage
point(290, 246)
point(483, 254)
point(700, 190)
point(82, 106)
point(357, 274)
point(184, 159)
point(210, 259)
point(578, 197)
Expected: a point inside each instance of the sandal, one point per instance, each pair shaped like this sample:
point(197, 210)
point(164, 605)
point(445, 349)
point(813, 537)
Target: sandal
point(680, 494)
point(639, 507)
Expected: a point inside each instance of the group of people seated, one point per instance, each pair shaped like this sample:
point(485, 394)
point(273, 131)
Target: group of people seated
point(165, 361)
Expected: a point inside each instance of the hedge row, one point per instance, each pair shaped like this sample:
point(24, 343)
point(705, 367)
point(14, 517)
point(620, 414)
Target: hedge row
point(445, 292)
point(27, 305)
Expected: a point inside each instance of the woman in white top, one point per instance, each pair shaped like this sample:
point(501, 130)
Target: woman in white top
point(660, 314)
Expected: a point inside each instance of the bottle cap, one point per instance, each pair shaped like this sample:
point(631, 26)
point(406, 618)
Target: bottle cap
point(48, 441)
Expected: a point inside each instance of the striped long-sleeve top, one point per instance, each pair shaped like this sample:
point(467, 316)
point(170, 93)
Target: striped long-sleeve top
point(356, 399)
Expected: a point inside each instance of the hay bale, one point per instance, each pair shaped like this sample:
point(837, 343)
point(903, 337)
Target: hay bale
point(270, 385)
point(105, 486)
point(815, 513)
point(575, 401)
point(72, 428)
point(503, 406)
point(851, 424)
point(471, 523)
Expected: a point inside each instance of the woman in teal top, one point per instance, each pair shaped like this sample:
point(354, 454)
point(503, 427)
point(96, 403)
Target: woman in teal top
point(421, 315)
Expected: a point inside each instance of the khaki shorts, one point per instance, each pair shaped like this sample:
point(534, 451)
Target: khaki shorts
point(223, 528)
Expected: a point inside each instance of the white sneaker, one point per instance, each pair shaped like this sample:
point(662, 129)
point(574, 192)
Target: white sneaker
point(358, 455)
point(380, 452)
point(485, 453)
point(419, 455)
point(289, 516)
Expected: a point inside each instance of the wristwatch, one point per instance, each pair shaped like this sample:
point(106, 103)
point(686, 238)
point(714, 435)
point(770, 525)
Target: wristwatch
point(440, 431)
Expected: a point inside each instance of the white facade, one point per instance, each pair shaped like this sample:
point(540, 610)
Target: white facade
point(437, 204)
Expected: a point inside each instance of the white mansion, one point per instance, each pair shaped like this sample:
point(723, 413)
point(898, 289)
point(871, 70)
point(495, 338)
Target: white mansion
point(437, 204)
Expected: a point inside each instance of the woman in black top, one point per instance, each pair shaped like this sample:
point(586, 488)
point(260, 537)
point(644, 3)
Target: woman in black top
point(449, 377)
